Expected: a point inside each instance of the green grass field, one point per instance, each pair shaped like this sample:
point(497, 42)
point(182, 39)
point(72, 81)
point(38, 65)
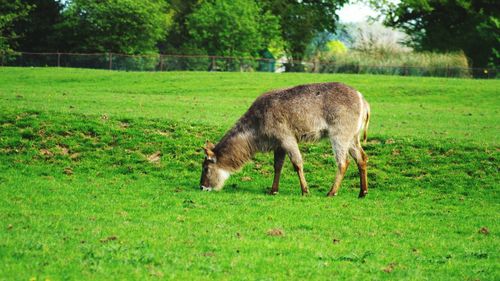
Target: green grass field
point(99, 176)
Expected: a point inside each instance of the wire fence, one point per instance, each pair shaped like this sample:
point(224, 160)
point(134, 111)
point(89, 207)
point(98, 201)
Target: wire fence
point(161, 62)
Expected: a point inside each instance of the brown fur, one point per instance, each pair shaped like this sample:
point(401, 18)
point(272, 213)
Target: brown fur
point(280, 119)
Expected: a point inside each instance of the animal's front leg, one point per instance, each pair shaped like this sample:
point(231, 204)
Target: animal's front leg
point(279, 159)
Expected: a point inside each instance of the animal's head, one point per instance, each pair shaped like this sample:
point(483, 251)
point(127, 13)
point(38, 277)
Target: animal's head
point(212, 175)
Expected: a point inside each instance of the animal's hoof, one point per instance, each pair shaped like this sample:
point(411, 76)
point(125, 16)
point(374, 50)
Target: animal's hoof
point(331, 194)
point(362, 194)
point(305, 193)
point(273, 192)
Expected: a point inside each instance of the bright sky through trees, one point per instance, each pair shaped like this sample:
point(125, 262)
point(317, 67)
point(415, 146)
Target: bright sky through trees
point(357, 12)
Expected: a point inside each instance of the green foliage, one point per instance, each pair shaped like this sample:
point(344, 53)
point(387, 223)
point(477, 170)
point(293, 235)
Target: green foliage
point(178, 39)
point(11, 11)
point(336, 47)
point(301, 20)
point(232, 28)
point(471, 26)
point(121, 26)
point(323, 49)
point(281, 26)
point(82, 197)
point(38, 28)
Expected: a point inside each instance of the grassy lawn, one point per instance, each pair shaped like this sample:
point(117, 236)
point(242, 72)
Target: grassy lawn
point(99, 175)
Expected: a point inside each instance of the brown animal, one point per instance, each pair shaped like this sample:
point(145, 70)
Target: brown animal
point(278, 120)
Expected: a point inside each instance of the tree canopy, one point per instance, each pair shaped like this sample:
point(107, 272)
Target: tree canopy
point(301, 20)
point(11, 12)
point(232, 27)
point(38, 28)
point(122, 26)
point(472, 26)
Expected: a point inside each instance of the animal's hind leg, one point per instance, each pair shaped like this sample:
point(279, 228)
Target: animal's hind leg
point(361, 158)
point(342, 165)
point(292, 148)
point(279, 159)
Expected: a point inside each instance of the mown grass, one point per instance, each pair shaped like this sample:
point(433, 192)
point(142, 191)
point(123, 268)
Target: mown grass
point(99, 173)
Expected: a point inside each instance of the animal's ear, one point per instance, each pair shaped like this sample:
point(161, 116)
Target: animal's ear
point(208, 151)
point(209, 145)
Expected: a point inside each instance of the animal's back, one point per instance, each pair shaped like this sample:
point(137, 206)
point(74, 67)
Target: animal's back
point(307, 112)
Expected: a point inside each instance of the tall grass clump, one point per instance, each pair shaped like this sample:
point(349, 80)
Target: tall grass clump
point(398, 63)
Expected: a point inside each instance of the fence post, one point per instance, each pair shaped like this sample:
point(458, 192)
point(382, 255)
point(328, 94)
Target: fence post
point(2, 57)
point(110, 61)
point(58, 59)
point(161, 62)
point(213, 63)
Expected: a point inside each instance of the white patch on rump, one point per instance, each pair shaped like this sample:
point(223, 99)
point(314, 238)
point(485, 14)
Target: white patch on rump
point(361, 111)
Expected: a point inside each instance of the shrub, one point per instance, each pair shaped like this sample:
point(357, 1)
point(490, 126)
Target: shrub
point(400, 63)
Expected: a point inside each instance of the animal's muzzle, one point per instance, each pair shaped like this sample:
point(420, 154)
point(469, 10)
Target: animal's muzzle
point(204, 188)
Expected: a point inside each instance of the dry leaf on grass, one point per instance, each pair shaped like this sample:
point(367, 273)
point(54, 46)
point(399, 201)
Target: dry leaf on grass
point(46, 152)
point(155, 157)
point(74, 156)
point(63, 150)
point(163, 133)
point(107, 239)
point(275, 232)
point(390, 267)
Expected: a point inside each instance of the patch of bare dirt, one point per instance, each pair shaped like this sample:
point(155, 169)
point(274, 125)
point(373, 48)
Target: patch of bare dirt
point(484, 230)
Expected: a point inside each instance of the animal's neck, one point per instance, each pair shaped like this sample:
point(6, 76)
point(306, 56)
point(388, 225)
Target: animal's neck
point(235, 148)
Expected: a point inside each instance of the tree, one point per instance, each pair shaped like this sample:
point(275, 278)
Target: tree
point(300, 21)
point(472, 26)
point(121, 26)
point(11, 11)
point(37, 30)
point(232, 28)
point(178, 38)
point(376, 38)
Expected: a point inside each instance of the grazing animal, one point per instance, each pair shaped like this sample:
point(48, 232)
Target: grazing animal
point(278, 120)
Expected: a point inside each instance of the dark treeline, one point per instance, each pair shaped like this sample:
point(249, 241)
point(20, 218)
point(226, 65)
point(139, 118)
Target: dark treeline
point(236, 27)
point(220, 27)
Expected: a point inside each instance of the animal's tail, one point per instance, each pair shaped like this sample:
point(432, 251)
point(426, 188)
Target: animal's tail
point(366, 121)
